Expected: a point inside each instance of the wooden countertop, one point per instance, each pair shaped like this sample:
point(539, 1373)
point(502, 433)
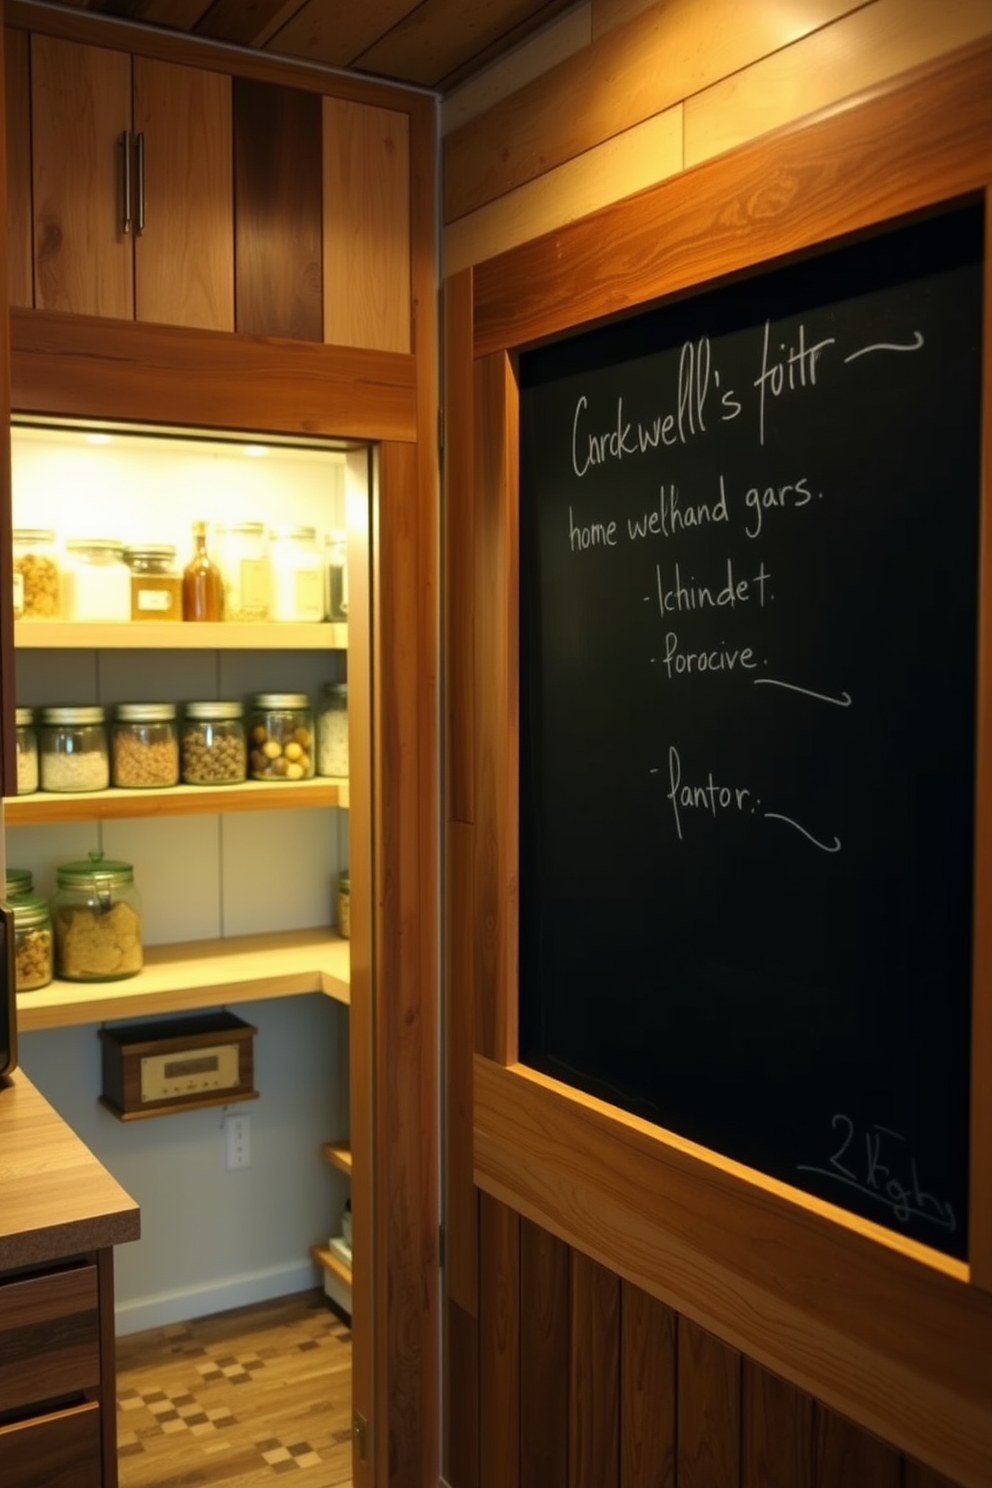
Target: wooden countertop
point(56, 1199)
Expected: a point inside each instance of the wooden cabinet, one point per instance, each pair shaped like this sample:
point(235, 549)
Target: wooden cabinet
point(131, 186)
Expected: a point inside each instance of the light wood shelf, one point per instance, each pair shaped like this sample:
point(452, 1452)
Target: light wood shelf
point(44, 807)
point(199, 974)
point(338, 1154)
point(330, 1262)
point(159, 635)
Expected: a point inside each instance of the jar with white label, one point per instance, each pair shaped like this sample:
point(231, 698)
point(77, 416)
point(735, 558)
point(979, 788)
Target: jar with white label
point(73, 753)
point(37, 574)
point(27, 752)
point(96, 580)
point(243, 555)
point(145, 746)
point(156, 583)
point(297, 574)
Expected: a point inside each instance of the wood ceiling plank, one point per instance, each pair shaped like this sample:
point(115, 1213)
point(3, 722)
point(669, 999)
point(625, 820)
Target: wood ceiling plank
point(249, 23)
point(176, 15)
point(324, 31)
point(438, 42)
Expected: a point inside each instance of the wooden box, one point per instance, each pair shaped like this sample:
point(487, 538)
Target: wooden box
point(150, 1069)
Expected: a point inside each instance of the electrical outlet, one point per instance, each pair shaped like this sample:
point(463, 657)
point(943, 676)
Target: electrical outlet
point(237, 1142)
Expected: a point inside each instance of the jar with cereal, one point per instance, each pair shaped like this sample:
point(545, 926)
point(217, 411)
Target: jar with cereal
point(32, 944)
point(27, 752)
point(144, 746)
point(37, 579)
point(281, 736)
point(213, 744)
point(97, 921)
point(73, 752)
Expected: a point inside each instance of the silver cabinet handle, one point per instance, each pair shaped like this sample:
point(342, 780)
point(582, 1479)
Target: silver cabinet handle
point(139, 141)
point(126, 179)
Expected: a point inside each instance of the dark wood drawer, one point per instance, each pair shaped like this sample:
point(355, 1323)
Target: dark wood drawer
point(49, 1337)
point(59, 1450)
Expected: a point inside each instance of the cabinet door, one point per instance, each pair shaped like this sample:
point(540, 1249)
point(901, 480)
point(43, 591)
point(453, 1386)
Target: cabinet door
point(184, 270)
point(80, 107)
point(20, 279)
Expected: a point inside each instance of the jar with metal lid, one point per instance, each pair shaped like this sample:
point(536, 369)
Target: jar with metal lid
point(332, 730)
point(20, 882)
point(337, 575)
point(33, 962)
point(37, 574)
point(344, 905)
point(96, 580)
point(245, 571)
point(73, 753)
point(27, 751)
point(144, 746)
point(97, 921)
point(213, 744)
point(281, 736)
point(297, 574)
point(156, 583)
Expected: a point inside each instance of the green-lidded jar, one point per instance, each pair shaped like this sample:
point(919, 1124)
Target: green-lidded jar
point(281, 736)
point(97, 921)
point(344, 905)
point(20, 883)
point(33, 967)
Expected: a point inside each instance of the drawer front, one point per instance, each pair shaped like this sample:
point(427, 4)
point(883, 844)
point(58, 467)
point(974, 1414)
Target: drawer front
point(60, 1450)
point(49, 1336)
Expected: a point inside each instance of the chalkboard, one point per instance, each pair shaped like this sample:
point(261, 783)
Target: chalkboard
point(749, 594)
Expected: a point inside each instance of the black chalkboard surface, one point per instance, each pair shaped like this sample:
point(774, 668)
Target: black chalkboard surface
point(749, 575)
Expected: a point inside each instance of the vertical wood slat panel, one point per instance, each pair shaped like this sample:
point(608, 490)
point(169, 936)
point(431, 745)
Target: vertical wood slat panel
point(366, 175)
point(915, 1475)
point(776, 1431)
point(461, 1397)
point(459, 506)
point(594, 1375)
point(461, 1231)
point(648, 1365)
point(709, 1415)
point(499, 1344)
point(278, 222)
point(18, 123)
point(544, 1367)
point(846, 1455)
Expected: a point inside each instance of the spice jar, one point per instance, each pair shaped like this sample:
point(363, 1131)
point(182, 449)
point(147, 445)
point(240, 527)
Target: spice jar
point(27, 752)
point(244, 566)
point(96, 580)
point(344, 905)
point(37, 587)
point(97, 921)
point(156, 583)
point(32, 944)
point(145, 745)
point(281, 736)
point(297, 574)
point(337, 575)
point(213, 744)
point(73, 750)
point(332, 730)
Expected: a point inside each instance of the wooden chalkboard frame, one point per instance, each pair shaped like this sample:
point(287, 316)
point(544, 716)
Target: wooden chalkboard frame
point(892, 1334)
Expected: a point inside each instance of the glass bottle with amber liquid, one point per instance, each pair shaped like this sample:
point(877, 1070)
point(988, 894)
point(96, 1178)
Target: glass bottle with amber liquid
point(202, 587)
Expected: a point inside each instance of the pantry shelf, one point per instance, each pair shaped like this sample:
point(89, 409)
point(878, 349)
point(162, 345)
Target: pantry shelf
point(153, 635)
point(338, 1154)
point(331, 1263)
point(199, 974)
point(45, 807)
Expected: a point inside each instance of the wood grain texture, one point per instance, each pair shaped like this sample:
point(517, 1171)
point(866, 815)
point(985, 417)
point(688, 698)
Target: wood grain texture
point(58, 1450)
point(920, 139)
point(184, 259)
point(428, 45)
point(499, 1344)
point(845, 1455)
point(540, 126)
point(461, 1262)
point(777, 1432)
point(98, 368)
point(80, 106)
point(915, 1475)
point(335, 36)
point(545, 1291)
point(8, 695)
point(459, 548)
point(594, 1375)
point(367, 247)
point(648, 1374)
point(709, 1384)
point(278, 222)
point(49, 1337)
point(17, 101)
point(108, 1366)
point(460, 1462)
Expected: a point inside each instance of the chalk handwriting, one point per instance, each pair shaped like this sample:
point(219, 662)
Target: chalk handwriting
point(913, 345)
point(796, 369)
point(844, 701)
point(709, 796)
point(827, 847)
point(876, 1162)
point(681, 663)
point(770, 498)
point(684, 593)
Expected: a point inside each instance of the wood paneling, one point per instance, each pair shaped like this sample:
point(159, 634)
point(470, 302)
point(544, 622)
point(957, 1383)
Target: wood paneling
point(594, 1376)
point(8, 699)
point(845, 1455)
point(648, 1374)
point(499, 1345)
point(709, 1419)
point(278, 224)
point(460, 1464)
point(777, 1432)
point(80, 107)
point(20, 276)
point(459, 510)
point(545, 1349)
point(461, 1265)
point(184, 259)
point(366, 171)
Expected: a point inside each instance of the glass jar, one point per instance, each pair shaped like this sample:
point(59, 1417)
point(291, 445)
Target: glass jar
point(37, 579)
point(33, 966)
point(213, 744)
point(332, 730)
point(344, 905)
point(96, 580)
point(297, 574)
point(245, 573)
point(156, 583)
point(144, 746)
point(73, 750)
point(281, 736)
point(20, 882)
point(27, 752)
point(97, 921)
point(337, 575)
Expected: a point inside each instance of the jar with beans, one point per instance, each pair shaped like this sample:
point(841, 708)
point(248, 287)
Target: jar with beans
point(145, 746)
point(281, 740)
point(73, 753)
point(213, 744)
